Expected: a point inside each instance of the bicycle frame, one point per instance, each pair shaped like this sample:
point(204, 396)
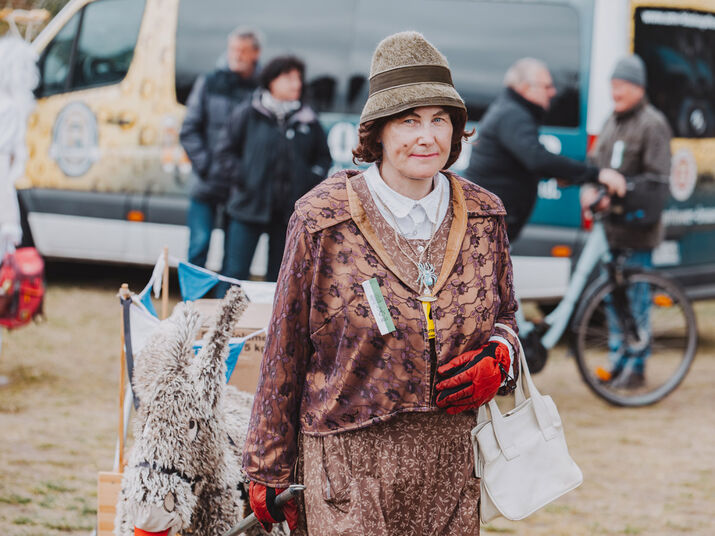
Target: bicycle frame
point(595, 250)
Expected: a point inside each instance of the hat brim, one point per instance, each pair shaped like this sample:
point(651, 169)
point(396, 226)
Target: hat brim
point(399, 99)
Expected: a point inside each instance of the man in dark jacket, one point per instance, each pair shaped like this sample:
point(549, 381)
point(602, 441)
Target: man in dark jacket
point(209, 106)
point(636, 141)
point(508, 158)
point(272, 151)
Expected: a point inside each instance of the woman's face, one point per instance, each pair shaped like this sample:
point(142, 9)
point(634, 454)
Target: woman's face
point(417, 145)
point(287, 86)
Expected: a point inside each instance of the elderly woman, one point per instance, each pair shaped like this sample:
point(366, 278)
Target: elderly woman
point(383, 328)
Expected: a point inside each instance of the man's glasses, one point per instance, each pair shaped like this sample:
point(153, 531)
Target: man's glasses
point(548, 87)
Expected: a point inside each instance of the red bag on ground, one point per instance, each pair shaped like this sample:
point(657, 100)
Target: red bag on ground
point(22, 287)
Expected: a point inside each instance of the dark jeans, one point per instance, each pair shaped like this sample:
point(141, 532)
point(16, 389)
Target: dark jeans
point(241, 245)
point(200, 219)
point(639, 296)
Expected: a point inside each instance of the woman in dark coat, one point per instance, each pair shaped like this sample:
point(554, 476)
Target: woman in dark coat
point(273, 151)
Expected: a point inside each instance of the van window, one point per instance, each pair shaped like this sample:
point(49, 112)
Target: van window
point(55, 62)
point(481, 40)
point(106, 43)
point(678, 48)
point(336, 40)
point(317, 31)
point(94, 48)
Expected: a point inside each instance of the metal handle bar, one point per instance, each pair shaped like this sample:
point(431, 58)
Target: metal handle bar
point(251, 521)
point(602, 192)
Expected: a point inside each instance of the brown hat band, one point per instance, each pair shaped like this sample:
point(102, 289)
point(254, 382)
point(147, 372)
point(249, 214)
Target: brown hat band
point(413, 74)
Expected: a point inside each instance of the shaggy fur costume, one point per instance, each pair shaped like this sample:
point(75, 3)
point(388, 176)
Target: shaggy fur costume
point(184, 471)
point(402, 50)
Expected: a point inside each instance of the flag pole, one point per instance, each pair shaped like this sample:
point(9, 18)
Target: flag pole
point(124, 294)
point(165, 285)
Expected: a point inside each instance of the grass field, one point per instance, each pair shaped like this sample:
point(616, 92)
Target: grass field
point(647, 471)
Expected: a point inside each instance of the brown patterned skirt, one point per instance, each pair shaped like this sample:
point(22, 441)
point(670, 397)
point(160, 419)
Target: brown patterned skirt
point(411, 475)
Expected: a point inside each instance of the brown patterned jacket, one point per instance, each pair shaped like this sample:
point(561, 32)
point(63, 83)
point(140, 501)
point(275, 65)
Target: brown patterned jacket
point(326, 368)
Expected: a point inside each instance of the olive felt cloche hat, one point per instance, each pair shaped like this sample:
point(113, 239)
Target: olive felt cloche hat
point(407, 71)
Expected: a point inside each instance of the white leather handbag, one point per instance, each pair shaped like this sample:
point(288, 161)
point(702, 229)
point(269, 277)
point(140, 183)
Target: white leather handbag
point(521, 456)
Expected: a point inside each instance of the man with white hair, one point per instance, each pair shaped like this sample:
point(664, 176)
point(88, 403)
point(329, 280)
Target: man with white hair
point(508, 159)
point(210, 104)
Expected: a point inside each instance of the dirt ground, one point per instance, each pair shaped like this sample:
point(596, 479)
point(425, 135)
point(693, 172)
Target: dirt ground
point(647, 471)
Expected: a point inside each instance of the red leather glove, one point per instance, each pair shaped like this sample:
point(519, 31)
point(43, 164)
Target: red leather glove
point(263, 504)
point(472, 378)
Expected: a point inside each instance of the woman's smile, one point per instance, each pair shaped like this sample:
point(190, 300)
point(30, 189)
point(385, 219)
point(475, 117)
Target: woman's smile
point(424, 156)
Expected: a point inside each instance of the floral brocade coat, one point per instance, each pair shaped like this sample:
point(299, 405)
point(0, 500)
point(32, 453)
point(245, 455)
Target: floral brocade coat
point(326, 367)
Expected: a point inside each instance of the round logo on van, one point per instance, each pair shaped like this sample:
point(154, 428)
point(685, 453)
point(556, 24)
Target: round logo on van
point(75, 145)
point(683, 175)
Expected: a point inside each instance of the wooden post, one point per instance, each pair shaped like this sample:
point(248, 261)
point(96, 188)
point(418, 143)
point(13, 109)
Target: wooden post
point(165, 286)
point(124, 293)
point(109, 484)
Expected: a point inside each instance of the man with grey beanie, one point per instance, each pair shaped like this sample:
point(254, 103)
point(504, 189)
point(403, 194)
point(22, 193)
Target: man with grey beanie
point(636, 142)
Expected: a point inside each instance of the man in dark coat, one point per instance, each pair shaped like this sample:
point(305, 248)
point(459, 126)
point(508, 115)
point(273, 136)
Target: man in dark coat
point(272, 151)
point(508, 158)
point(211, 102)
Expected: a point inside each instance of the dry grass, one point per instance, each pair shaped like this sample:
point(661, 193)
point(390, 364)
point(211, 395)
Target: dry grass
point(647, 471)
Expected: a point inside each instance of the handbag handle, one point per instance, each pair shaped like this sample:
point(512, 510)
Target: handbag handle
point(525, 375)
point(519, 395)
point(547, 427)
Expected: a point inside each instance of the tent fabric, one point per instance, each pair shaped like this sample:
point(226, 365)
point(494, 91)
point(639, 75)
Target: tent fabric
point(141, 318)
point(141, 324)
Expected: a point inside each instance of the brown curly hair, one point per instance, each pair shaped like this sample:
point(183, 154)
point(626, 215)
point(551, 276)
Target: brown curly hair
point(369, 149)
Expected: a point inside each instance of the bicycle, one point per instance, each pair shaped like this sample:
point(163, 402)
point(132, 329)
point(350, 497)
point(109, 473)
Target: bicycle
point(609, 331)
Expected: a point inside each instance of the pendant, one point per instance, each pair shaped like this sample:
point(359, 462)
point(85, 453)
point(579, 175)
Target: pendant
point(427, 275)
point(426, 278)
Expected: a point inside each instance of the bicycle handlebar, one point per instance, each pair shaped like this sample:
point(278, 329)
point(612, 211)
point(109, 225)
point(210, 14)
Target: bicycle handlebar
point(602, 192)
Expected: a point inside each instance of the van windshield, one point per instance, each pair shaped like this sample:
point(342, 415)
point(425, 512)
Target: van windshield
point(678, 47)
point(95, 48)
point(336, 39)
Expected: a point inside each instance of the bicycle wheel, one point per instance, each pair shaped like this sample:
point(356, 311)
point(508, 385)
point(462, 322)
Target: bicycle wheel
point(660, 343)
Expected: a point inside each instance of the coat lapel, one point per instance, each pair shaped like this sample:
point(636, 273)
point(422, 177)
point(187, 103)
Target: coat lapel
point(454, 243)
point(359, 216)
point(456, 233)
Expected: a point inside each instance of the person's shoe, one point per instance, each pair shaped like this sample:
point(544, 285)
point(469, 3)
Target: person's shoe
point(607, 376)
point(628, 379)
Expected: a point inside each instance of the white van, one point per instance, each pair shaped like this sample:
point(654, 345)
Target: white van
point(107, 178)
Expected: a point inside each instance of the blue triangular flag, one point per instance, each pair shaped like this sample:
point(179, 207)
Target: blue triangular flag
point(145, 298)
point(194, 281)
point(234, 350)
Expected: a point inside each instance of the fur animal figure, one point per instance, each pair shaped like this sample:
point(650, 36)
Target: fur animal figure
point(184, 471)
point(18, 77)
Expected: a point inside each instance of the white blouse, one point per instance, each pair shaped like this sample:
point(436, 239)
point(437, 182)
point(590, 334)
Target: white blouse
point(416, 219)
